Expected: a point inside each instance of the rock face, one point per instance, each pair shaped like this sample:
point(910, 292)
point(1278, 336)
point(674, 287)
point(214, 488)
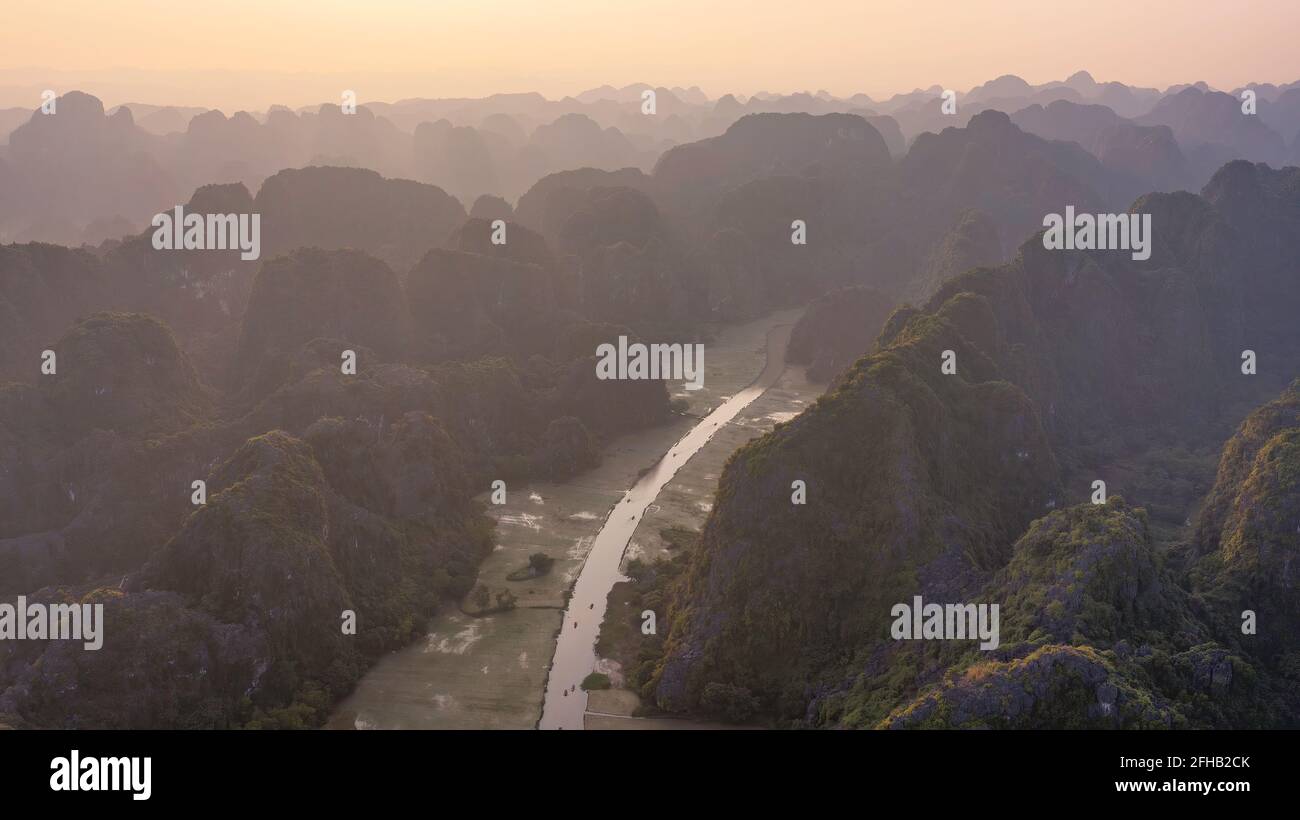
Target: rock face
point(575, 140)
point(490, 208)
point(459, 159)
point(769, 144)
point(1091, 573)
point(994, 167)
point(257, 550)
point(567, 449)
point(1210, 128)
point(1248, 535)
point(629, 284)
point(311, 294)
point(520, 244)
point(1054, 687)
point(917, 480)
point(80, 165)
point(124, 372)
point(885, 514)
point(888, 129)
point(549, 203)
point(971, 243)
point(207, 666)
point(734, 290)
point(246, 600)
point(43, 289)
point(1142, 157)
point(96, 456)
point(329, 490)
point(783, 207)
point(608, 216)
point(609, 406)
point(468, 304)
point(396, 220)
point(836, 329)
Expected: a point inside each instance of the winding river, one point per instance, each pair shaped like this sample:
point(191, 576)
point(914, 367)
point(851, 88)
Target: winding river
point(575, 650)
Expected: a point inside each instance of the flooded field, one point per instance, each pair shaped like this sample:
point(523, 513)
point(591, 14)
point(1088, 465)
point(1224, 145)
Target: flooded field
point(684, 503)
point(575, 652)
point(492, 672)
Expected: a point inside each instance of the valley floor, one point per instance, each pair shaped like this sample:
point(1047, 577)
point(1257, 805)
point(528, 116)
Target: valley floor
point(684, 504)
point(490, 672)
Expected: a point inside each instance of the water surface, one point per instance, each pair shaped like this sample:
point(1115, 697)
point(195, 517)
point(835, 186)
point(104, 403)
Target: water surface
point(575, 650)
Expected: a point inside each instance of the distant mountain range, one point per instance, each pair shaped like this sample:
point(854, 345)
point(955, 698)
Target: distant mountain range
point(910, 233)
point(500, 145)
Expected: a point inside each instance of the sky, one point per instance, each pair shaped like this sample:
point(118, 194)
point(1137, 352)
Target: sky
point(233, 54)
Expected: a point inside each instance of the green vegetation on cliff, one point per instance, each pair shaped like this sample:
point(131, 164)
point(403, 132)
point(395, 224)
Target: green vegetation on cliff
point(957, 486)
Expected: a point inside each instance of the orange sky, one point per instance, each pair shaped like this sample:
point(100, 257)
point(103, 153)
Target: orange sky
point(235, 54)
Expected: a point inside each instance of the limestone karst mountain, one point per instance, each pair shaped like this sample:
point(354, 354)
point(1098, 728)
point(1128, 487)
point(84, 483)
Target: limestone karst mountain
point(974, 241)
point(470, 304)
point(345, 396)
point(79, 165)
point(237, 600)
point(161, 119)
point(43, 289)
point(1097, 634)
point(459, 158)
point(1211, 129)
point(396, 220)
point(547, 205)
point(836, 329)
point(125, 372)
point(888, 129)
point(1067, 362)
point(1248, 533)
point(993, 166)
point(695, 176)
point(1281, 113)
point(1147, 157)
point(491, 207)
point(501, 144)
point(344, 295)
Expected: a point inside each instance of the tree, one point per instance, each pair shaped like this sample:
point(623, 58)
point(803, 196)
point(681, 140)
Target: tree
point(540, 563)
point(481, 597)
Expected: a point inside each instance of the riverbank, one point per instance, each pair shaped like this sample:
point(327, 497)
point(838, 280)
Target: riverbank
point(684, 505)
point(491, 672)
point(575, 650)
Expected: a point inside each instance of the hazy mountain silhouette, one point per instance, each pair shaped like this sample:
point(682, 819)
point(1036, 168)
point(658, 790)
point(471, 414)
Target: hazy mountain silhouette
point(79, 165)
point(1146, 346)
point(329, 489)
point(1147, 158)
point(1210, 127)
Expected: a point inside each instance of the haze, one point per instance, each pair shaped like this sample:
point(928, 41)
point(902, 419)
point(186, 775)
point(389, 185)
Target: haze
point(299, 52)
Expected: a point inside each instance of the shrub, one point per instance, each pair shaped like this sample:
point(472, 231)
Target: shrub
point(734, 704)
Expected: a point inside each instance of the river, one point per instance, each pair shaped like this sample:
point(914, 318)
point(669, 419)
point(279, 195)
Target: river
point(492, 672)
point(575, 650)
